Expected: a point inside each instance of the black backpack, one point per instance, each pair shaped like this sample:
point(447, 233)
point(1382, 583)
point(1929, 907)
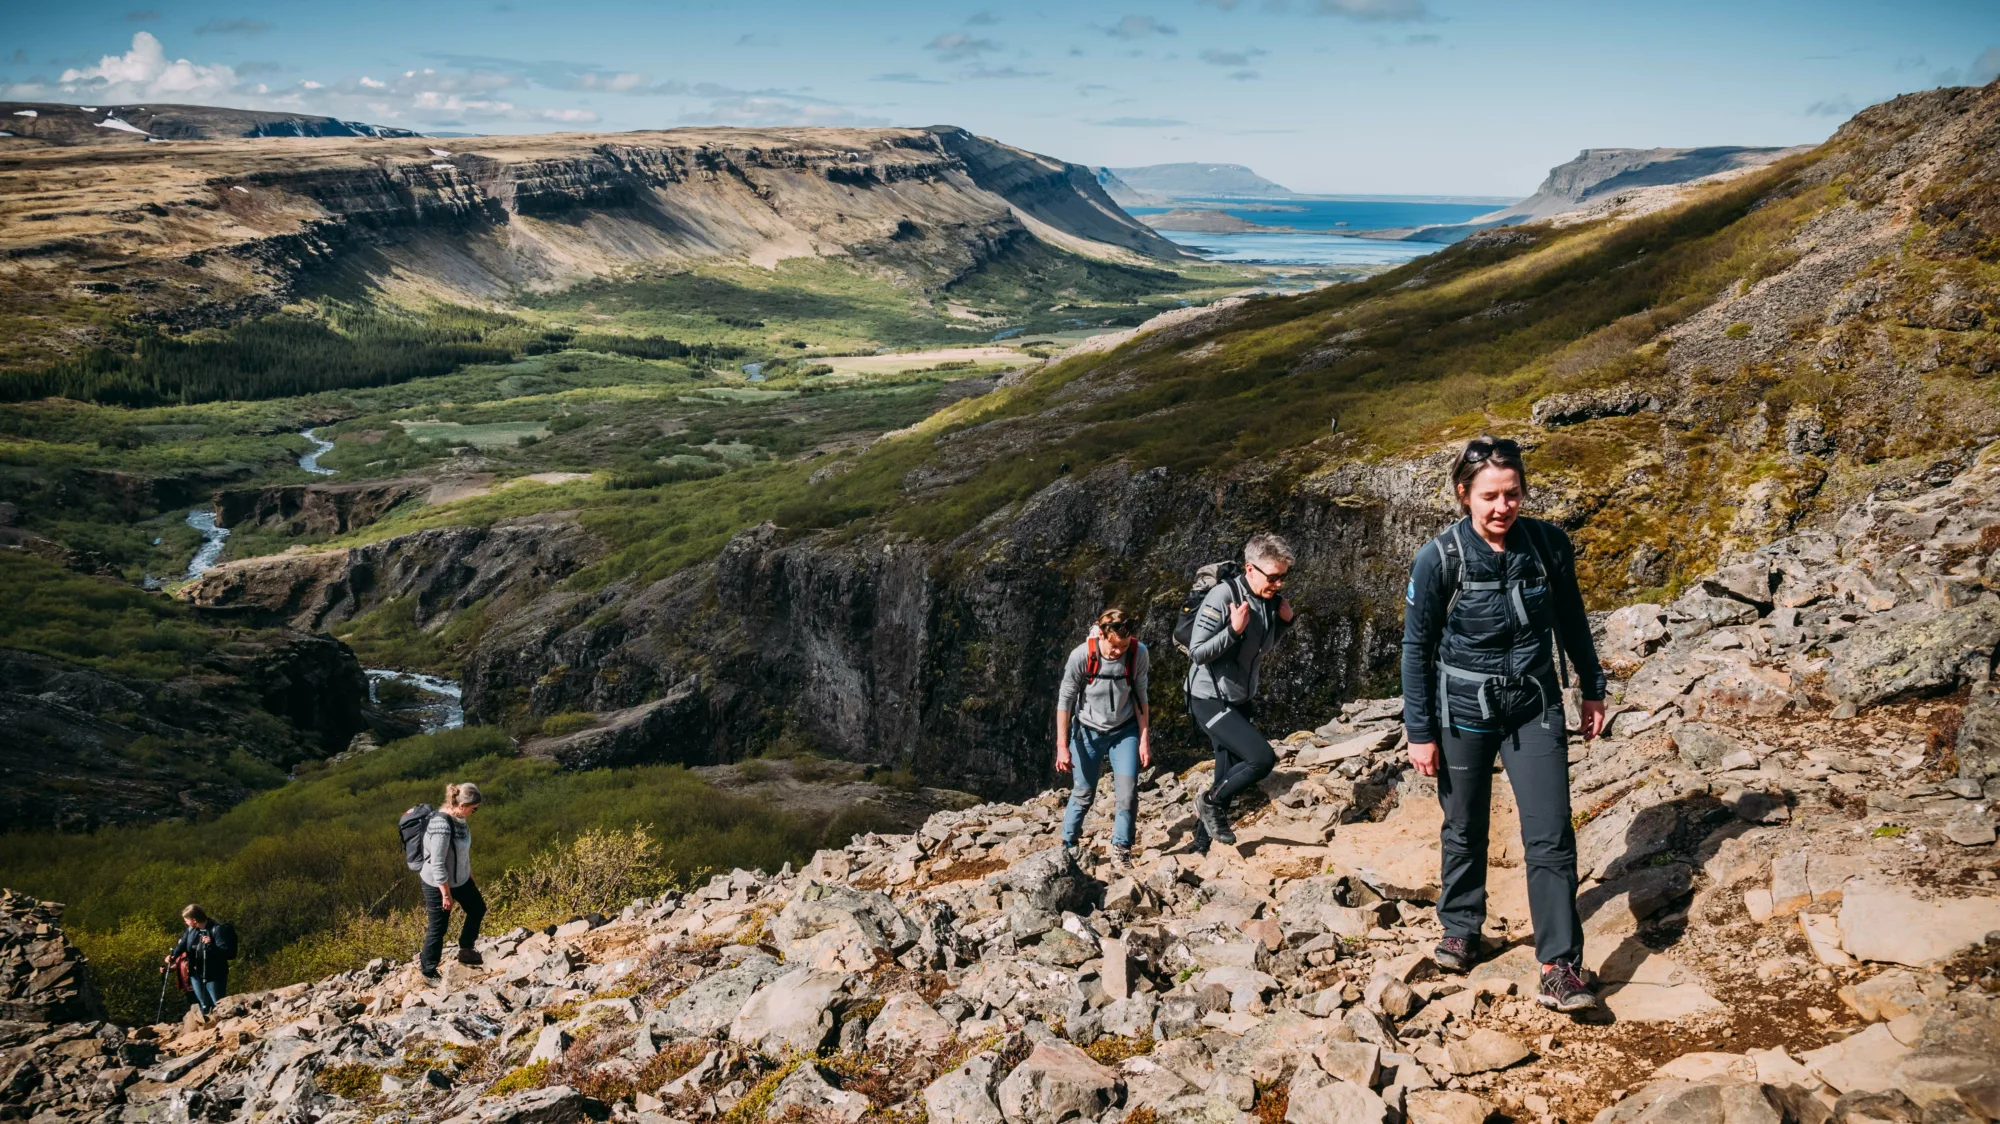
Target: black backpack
point(223, 936)
point(411, 827)
point(1205, 579)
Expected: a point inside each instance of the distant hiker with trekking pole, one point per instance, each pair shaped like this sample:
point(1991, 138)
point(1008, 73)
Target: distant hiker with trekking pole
point(1226, 635)
point(1101, 717)
point(437, 844)
point(1491, 611)
point(200, 958)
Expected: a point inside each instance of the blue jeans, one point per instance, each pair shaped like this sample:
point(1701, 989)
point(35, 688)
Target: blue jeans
point(1088, 751)
point(208, 992)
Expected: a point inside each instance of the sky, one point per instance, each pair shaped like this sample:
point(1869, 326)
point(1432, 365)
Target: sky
point(1434, 97)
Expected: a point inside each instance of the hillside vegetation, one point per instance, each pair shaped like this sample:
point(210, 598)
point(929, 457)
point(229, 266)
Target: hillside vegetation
point(312, 876)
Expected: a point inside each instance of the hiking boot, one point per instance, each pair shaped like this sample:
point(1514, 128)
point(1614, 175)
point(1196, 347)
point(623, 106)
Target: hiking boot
point(1211, 820)
point(470, 956)
point(1456, 954)
point(1565, 988)
point(430, 975)
point(1074, 853)
point(1122, 857)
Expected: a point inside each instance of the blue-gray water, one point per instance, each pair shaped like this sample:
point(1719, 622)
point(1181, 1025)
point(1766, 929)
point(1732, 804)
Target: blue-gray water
point(1311, 216)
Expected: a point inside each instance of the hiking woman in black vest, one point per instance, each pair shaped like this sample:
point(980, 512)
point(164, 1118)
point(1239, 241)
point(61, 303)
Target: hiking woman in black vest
point(208, 946)
point(1492, 609)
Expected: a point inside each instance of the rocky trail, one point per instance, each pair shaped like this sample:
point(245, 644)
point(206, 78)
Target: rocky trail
point(1791, 898)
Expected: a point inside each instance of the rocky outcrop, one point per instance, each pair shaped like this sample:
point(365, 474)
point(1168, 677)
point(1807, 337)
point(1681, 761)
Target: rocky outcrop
point(43, 978)
point(314, 509)
point(74, 125)
point(88, 748)
point(440, 571)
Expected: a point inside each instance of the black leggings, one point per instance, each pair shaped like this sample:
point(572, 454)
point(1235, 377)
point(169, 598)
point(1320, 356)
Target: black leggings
point(1242, 756)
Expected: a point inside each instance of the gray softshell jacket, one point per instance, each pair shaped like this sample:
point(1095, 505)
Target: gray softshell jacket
point(1223, 665)
point(447, 851)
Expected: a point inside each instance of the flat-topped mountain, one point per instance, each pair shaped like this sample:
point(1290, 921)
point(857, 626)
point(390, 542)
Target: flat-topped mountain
point(1187, 180)
point(209, 232)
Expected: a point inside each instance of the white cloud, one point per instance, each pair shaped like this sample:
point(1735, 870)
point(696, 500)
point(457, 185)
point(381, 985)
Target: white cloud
point(372, 84)
point(1138, 27)
point(1985, 68)
point(754, 109)
point(1217, 57)
point(1377, 11)
point(1141, 122)
point(144, 73)
point(954, 45)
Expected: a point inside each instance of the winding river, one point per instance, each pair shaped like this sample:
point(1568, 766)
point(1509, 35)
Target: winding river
point(310, 461)
point(212, 539)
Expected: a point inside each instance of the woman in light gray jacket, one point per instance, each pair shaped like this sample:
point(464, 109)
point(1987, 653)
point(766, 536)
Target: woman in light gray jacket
point(1104, 696)
point(447, 878)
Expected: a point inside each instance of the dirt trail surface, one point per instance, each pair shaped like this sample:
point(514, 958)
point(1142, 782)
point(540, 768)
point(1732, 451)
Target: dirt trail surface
point(1789, 899)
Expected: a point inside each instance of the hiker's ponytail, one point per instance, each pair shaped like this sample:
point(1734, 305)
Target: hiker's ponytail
point(461, 795)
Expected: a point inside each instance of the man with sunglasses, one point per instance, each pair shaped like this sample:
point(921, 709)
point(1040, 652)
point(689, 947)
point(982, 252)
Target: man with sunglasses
point(1240, 620)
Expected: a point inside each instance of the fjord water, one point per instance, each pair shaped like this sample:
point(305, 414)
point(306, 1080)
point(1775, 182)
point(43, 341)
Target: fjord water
point(1319, 223)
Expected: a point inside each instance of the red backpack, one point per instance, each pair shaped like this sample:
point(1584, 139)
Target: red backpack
point(1093, 664)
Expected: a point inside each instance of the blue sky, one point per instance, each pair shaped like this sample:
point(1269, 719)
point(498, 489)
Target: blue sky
point(1365, 96)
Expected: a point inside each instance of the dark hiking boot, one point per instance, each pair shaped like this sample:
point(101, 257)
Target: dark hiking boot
point(1565, 988)
point(1121, 857)
point(1212, 820)
point(1456, 954)
point(470, 956)
point(430, 975)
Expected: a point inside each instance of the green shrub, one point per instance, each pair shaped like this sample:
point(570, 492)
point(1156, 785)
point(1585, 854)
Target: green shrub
point(597, 872)
point(1738, 330)
point(568, 722)
point(520, 1080)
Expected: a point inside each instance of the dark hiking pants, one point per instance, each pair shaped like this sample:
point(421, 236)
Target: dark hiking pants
point(1242, 756)
point(1537, 763)
point(464, 896)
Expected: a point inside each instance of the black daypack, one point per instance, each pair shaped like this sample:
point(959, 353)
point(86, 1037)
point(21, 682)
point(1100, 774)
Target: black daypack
point(222, 938)
point(1205, 579)
point(411, 827)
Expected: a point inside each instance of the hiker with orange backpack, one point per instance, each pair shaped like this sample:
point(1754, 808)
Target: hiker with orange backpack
point(1103, 697)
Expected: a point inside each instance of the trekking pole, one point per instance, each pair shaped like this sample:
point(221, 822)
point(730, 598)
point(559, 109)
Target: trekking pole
point(160, 1011)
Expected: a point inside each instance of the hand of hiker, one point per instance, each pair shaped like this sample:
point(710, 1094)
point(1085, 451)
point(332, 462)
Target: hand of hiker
point(1145, 750)
point(1285, 609)
point(1424, 755)
point(444, 899)
point(1239, 617)
point(1593, 718)
point(1062, 759)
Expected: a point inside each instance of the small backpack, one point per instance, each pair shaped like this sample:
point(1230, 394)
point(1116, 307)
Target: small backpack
point(1205, 579)
point(1093, 663)
point(223, 934)
point(411, 827)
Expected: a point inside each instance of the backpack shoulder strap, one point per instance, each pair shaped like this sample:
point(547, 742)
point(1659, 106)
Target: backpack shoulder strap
point(1092, 662)
point(1451, 560)
point(1536, 529)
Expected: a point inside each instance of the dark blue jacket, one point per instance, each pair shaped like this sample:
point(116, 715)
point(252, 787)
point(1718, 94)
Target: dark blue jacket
point(208, 962)
point(1485, 637)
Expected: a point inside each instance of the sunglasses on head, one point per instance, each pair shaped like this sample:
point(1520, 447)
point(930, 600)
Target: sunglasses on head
point(1483, 448)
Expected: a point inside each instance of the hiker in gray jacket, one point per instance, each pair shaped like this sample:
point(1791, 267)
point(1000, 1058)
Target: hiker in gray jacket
point(1239, 622)
point(447, 878)
point(1103, 697)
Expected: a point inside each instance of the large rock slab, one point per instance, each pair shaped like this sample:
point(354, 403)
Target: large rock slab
point(1929, 654)
point(966, 1095)
point(1484, 1049)
point(839, 929)
point(1865, 1062)
point(907, 1024)
point(1673, 1101)
point(1049, 882)
point(1317, 1098)
point(795, 1014)
point(1057, 1082)
point(706, 1008)
point(806, 1093)
point(1885, 923)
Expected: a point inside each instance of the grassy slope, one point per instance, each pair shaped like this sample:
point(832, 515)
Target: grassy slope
point(312, 877)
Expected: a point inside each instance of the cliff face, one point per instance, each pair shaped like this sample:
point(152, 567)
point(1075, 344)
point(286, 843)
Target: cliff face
point(86, 748)
point(202, 233)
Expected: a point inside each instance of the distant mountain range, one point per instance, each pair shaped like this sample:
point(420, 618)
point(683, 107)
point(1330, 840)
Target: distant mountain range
point(1180, 181)
point(67, 125)
point(1601, 175)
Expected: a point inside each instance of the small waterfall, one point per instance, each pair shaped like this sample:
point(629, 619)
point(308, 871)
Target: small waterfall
point(445, 713)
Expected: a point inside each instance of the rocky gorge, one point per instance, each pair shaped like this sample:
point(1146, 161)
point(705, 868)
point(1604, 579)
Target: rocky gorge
point(1791, 900)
